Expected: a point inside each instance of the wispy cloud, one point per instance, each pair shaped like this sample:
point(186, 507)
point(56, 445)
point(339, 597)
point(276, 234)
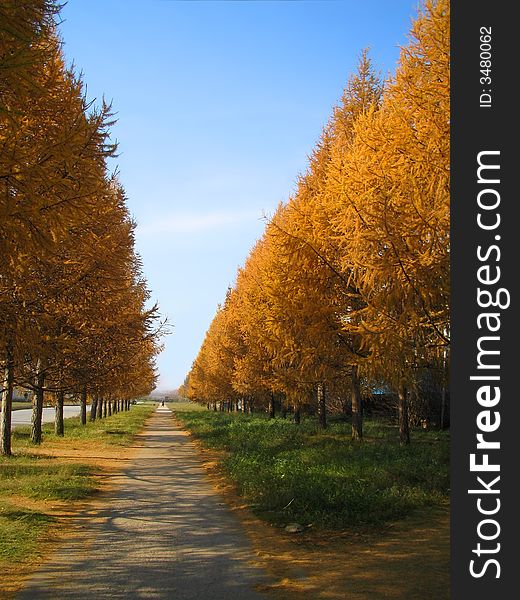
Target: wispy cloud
point(196, 222)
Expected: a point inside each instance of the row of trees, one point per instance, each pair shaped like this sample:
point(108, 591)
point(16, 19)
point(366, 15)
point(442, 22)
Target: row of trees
point(73, 316)
point(349, 285)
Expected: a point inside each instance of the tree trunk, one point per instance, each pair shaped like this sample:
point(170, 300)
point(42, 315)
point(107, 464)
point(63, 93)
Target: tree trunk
point(404, 427)
point(105, 402)
point(444, 391)
point(357, 406)
point(37, 409)
point(322, 405)
point(214, 406)
point(99, 414)
point(297, 415)
point(109, 408)
point(7, 402)
point(83, 406)
point(272, 407)
point(93, 407)
point(443, 406)
point(59, 428)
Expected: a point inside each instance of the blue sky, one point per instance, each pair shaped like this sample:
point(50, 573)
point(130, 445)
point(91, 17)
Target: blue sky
point(219, 105)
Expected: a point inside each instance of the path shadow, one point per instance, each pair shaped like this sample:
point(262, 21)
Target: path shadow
point(162, 533)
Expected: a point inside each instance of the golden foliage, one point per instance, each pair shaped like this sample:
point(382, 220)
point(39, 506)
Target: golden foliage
point(352, 275)
point(72, 295)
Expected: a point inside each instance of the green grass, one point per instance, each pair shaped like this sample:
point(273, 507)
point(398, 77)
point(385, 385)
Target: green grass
point(19, 405)
point(44, 479)
point(299, 473)
point(19, 532)
point(29, 479)
point(117, 429)
point(37, 479)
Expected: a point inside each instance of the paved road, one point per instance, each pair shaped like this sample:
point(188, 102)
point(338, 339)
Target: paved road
point(23, 416)
point(163, 533)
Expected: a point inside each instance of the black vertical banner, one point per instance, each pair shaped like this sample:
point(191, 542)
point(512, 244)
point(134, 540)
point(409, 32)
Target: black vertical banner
point(485, 368)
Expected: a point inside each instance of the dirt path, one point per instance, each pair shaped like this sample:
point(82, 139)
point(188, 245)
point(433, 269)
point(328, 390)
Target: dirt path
point(163, 533)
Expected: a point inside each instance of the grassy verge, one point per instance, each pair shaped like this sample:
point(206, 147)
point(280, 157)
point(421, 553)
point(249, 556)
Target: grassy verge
point(20, 533)
point(19, 405)
point(26, 484)
point(36, 481)
point(117, 429)
point(299, 473)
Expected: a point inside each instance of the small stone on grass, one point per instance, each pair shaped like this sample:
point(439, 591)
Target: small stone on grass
point(294, 528)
